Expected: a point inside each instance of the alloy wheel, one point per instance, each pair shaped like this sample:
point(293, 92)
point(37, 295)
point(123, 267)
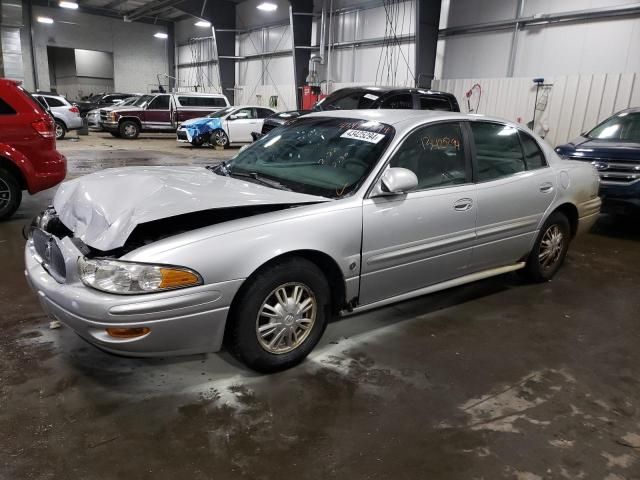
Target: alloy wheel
point(5, 194)
point(286, 318)
point(551, 247)
point(220, 138)
point(59, 131)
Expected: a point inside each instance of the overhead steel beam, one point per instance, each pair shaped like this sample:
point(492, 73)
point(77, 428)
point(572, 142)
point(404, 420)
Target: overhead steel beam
point(631, 10)
point(114, 5)
point(427, 23)
point(300, 23)
point(222, 15)
point(101, 11)
point(150, 8)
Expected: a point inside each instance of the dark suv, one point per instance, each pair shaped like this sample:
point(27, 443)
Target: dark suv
point(613, 147)
point(28, 156)
point(100, 100)
point(359, 98)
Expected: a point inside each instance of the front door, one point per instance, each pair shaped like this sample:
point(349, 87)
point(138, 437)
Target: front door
point(241, 123)
point(158, 114)
point(425, 236)
point(515, 187)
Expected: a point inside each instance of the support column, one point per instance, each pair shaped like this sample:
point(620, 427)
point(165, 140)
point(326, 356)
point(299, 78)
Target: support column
point(301, 19)
point(222, 15)
point(427, 22)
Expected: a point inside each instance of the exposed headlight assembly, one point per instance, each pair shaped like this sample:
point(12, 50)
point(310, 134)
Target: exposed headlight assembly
point(130, 278)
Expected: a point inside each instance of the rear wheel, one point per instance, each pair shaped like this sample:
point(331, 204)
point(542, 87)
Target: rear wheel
point(10, 194)
point(129, 129)
point(61, 130)
point(550, 248)
point(279, 315)
point(219, 138)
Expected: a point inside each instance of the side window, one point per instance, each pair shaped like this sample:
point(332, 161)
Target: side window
point(430, 102)
point(161, 102)
point(435, 154)
point(264, 112)
point(54, 102)
point(533, 156)
point(5, 108)
point(201, 101)
point(498, 151)
point(403, 100)
point(244, 113)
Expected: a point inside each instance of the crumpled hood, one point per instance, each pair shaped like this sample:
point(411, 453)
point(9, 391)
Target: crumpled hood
point(202, 124)
point(103, 208)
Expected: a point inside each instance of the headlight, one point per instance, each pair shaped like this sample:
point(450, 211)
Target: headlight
point(129, 278)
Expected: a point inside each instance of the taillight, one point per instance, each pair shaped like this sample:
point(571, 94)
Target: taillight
point(74, 110)
point(45, 127)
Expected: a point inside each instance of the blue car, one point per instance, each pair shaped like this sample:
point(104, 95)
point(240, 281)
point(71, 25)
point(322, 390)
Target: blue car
point(613, 147)
point(224, 127)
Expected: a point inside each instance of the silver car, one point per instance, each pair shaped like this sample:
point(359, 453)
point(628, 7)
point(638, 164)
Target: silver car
point(66, 116)
point(338, 212)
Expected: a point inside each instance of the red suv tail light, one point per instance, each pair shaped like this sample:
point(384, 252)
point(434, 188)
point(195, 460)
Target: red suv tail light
point(74, 110)
point(45, 127)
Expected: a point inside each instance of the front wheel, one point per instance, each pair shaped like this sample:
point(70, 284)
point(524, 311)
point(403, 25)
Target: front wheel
point(279, 315)
point(550, 248)
point(10, 194)
point(61, 131)
point(219, 138)
point(129, 129)
point(197, 141)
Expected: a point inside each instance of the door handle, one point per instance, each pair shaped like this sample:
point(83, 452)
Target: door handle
point(463, 204)
point(546, 187)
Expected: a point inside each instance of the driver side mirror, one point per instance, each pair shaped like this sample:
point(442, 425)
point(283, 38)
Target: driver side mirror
point(395, 181)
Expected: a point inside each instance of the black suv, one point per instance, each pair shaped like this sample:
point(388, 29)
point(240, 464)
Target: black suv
point(101, 100)
point(358, 98)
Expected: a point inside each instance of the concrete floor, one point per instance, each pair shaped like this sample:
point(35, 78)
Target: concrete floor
point(497, 379)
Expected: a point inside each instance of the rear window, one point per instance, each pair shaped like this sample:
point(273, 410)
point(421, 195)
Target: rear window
point(434, 103)
point(215, 102)
point(5, 108)
point(54, 102)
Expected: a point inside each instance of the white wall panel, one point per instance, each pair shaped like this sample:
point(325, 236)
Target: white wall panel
point(467, 12)
point(576, 103)
point(477, 55)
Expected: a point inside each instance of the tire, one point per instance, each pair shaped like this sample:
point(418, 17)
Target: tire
point(197, 141)
point(61, 130)
point(129, 129)
point(10, 194)
point(115, 134)
point(279, 348)
point(219, 138)
point(549, 250)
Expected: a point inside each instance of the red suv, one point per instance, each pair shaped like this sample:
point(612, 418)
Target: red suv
point(28, 156)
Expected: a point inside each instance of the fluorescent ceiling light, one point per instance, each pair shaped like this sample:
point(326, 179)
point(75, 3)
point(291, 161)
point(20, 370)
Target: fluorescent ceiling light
point(202, 23)
point(267, 7)
point(71, 5)
point(160, 35)
point(45, 20)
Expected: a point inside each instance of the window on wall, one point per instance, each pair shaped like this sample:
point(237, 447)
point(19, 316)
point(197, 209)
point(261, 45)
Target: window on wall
point(5, 108)
point(533, 156)
point(161, 102)
point(498, 151)
point(435, 154)
point(404, 100)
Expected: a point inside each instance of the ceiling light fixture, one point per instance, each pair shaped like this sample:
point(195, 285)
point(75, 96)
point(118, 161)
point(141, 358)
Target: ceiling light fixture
point(71, 5)
point(202, 23)
point(45, 20)
point(160, 35)
point(267, 7)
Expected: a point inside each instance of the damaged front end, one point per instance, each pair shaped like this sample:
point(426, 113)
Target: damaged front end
point(198, 131)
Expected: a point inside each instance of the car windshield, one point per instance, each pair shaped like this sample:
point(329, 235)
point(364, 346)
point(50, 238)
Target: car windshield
point(624, 127)
point(128, 101)
point(329, 157)
point(143, 100)
point(349, 100)
point(95, 98)
point(221, 113)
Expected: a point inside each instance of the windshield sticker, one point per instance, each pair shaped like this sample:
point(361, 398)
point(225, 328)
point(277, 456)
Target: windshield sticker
point(370, 96)
point(363, 135)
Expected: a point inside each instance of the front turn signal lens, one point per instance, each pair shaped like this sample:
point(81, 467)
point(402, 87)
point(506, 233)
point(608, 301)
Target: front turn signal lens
point(172, 278)
point(124, 333)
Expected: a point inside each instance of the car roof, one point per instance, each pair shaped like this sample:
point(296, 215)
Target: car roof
point(401, 118)
point(387, 89)
point(191, 94)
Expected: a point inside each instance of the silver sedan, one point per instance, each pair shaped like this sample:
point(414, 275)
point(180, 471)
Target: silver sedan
point(335, 213)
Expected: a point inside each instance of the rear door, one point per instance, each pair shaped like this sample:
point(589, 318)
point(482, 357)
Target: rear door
point(241, 123)
point(157, 115)
point(425, 236)
point(515, 187)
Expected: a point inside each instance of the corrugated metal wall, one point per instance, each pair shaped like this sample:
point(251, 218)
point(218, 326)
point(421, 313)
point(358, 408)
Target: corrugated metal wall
point(575, 103)
point(11, 51)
